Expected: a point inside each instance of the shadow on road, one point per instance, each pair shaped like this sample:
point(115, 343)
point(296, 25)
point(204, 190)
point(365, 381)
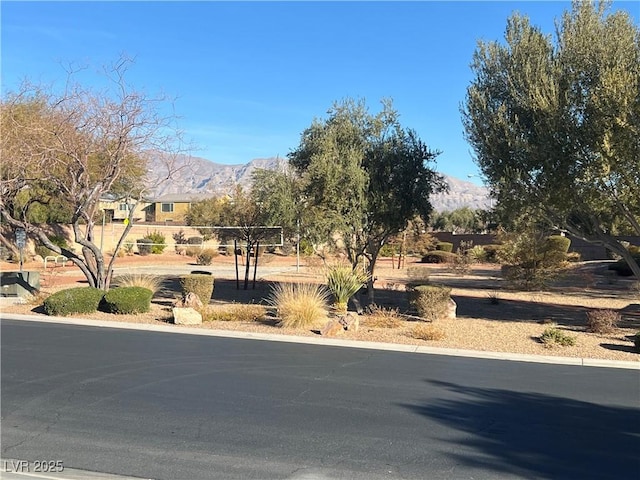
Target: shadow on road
point(533, 435)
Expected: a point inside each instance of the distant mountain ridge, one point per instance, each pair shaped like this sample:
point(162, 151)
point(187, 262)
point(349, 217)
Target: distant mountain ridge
point(196, 175)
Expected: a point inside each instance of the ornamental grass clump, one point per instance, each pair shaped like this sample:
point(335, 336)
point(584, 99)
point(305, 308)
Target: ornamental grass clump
point(145, 280)
point(344, 282)
point(234, 313)
point(299, 305)
point(127, 300)
point(379, 317)
point(73, 300)
point(427, 332)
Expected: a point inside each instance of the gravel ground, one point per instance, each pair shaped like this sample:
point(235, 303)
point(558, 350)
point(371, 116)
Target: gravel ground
point(512, 325)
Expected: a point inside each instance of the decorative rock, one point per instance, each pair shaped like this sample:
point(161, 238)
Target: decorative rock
point(350, 322)
point(451, 309)
point(186, 316)
point(332, 328)
point(190, 300)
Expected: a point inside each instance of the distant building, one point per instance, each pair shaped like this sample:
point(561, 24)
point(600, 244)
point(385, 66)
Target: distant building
point(172, 208)
point(116, 209)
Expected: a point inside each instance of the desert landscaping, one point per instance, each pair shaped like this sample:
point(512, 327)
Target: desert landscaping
point(489, 315)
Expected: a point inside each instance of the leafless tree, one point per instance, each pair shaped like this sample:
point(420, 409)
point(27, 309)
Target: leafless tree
point(70, 148)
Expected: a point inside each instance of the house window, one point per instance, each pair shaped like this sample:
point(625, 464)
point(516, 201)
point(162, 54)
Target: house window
point(123, 207)
point(167, 208)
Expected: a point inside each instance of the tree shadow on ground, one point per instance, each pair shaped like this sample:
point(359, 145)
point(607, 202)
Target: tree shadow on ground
point(224, 291)
point(532, 435)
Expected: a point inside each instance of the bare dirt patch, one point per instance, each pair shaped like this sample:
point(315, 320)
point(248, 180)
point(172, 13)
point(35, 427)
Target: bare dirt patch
point(490, 317)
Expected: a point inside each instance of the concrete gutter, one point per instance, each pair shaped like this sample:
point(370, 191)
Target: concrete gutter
point(335, 342)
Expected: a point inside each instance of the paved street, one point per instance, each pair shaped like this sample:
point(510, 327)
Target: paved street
point(169, 406)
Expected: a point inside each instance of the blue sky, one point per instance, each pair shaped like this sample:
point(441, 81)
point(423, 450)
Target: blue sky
point(249, 77)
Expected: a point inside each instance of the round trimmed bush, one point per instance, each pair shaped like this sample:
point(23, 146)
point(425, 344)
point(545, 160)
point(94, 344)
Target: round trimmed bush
point(73, 300)
point(430, 301)
point(439, 256)
point(127, 300)
point(444, 246)
point(199, 283)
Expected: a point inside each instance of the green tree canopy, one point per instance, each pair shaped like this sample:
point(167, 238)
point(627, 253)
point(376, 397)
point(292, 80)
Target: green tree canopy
point(364, 176)
point(555, 121)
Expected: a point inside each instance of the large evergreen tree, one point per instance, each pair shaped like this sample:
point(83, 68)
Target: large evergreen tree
point(555, 122)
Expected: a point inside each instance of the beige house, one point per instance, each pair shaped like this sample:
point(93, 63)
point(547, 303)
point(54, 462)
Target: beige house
point(117, 209)
point(172, 208)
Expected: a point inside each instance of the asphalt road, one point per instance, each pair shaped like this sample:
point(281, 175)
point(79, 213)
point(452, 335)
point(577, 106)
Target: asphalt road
point(169, 406)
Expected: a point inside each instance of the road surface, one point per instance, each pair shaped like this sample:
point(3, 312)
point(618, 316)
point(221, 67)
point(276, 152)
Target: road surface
point(169, 406)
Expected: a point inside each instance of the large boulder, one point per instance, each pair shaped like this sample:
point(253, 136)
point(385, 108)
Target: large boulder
point(186, 316)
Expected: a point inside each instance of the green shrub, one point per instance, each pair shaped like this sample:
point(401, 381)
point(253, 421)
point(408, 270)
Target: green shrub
point(388, 250)
point(554, 336)
point(555, 250)
point(158, 242)
point(343, 282)
point(477, 254)
point(73, 300)
point(299, 305)
point(144, 246)
point(127, 300)
point(199, 283)
point(46, 251)
point(439, 257)
point(206, 256)
point(602, 321)
point(444, 247)
point(306, 248)
point(430, 301)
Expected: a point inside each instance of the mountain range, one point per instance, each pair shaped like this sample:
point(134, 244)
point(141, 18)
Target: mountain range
point(199, 176)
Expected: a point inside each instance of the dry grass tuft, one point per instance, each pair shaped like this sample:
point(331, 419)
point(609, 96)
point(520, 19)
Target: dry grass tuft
point(151, 282)
point(602, 321)
point(383, 318)
point(234, 313)
point(427, 332)
point(299, 305)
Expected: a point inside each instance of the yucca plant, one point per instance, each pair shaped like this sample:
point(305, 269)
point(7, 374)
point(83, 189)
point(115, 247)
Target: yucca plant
point(344, 282)
point(299, 305)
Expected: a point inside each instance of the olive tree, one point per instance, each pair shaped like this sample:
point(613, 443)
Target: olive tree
point(68, 148)
point(365, 177)
point(555, 122)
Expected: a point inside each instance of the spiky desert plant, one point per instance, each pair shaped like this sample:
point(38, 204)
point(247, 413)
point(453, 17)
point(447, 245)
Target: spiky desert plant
point(144, 280)
point(299, 305)
point(343, 282)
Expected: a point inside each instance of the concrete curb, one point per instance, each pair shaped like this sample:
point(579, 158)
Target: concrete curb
point(394, 347)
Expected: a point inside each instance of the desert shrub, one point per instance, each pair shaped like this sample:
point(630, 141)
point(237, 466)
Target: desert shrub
point(234, 313)
point(158, 242)
point(46, 251)
point(438, 257)
point(430, 301)
point(461, 263)
point(477, 254)
point(128, 247)
point(306, 248)
point(145, 280)
point(427, 332)
point(343, 282)
point(179, 237)
point(388, 250)
point(491, 252)
point(127, 300)
point(195, 240)
point(73, 300)
point(192, 252)
point(418, 275)
point(636, 341)
point(555, 250)
point(602, 321)
point(206, 256)
point(144, 246)
point(573, 257)
point(199, 283)
point(494, 297)
point(553, 336)
point(622, 268)
point(299, 305)
point(444, 247)
point(379, 317)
